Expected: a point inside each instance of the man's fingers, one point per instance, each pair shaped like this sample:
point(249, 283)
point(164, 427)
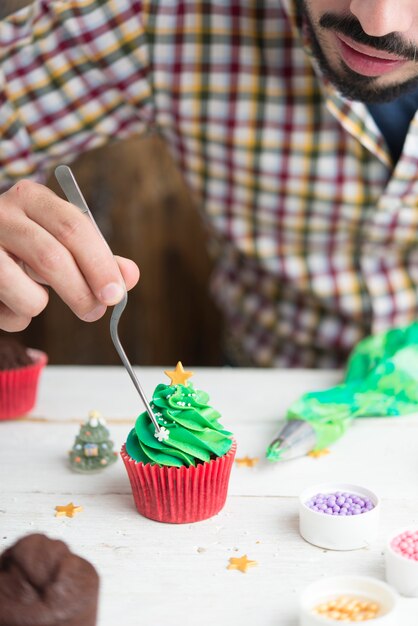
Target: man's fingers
point(50, 260)
point(77, 235)
point(46, 240)
point(129, 271)
point(12, 323)
point(20, 295)
point(21, 299)
point(33, 275)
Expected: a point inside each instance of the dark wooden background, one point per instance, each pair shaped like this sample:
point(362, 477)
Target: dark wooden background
point(146, 213)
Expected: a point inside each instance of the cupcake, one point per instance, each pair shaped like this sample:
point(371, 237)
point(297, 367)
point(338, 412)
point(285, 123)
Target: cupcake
point(180, 474)
point(42, 583)
point(19, 374)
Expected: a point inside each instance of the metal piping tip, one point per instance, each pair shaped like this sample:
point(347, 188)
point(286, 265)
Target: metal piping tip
point(295, 439)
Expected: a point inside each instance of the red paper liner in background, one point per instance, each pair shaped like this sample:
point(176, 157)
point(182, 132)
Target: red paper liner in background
point(19, 387)
point(180, 495)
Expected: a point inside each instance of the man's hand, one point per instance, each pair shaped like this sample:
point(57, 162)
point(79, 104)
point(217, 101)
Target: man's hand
point(46, 239)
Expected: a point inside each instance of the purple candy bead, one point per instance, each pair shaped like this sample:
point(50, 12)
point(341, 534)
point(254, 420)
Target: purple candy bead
point(340, 503)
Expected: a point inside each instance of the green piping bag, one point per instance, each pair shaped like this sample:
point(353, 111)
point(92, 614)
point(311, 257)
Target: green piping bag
point(381, 380)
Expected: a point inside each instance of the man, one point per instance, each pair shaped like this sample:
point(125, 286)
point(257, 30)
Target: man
point(293, 123)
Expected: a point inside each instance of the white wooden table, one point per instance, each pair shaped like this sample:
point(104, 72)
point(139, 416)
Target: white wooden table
point(166, 575)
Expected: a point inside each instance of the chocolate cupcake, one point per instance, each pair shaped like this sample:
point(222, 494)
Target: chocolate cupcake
point(42, 583)
point(20, 368)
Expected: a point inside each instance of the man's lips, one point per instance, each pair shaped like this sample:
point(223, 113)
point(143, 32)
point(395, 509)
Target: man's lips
point(366, 60)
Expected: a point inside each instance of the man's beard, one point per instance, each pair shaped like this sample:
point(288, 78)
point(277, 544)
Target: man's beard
point(351, 84)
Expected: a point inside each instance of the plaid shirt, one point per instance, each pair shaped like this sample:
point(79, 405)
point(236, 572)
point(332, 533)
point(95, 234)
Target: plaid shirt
point(316, 231)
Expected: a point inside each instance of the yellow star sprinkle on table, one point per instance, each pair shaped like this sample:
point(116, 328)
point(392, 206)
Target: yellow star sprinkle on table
point(69, 510)
point(178, 376)
point(241, 563)
point(247, 461)
point(316, 454)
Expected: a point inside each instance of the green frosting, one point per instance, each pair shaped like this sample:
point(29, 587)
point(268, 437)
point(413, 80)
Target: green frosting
point(194, 433)
point(381, 380)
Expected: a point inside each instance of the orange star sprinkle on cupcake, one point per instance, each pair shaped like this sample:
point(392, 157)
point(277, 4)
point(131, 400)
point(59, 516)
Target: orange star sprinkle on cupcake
point(178, 376)
point(316, 454)
point(247, 461)
point(241, 563)
point(69, 510)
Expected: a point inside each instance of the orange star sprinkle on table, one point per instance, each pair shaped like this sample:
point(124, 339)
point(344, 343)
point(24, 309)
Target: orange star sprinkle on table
point(241, 563)
point(178, 376)
point(69, 510)
point(247, 461)
point(316, 454)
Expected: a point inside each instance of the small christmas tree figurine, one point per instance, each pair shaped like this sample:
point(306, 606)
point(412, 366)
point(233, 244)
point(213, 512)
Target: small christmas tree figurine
point(92, 449)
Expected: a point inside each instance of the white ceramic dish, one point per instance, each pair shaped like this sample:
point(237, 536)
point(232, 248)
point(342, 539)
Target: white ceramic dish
point(401, 573)
point(336, 532)
point(362, 587)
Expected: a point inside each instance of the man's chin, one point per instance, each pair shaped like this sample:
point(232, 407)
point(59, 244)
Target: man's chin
point(368, 89)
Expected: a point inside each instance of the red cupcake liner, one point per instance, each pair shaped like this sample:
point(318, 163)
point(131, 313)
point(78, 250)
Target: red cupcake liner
point(19, 387)
point(179, 495)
